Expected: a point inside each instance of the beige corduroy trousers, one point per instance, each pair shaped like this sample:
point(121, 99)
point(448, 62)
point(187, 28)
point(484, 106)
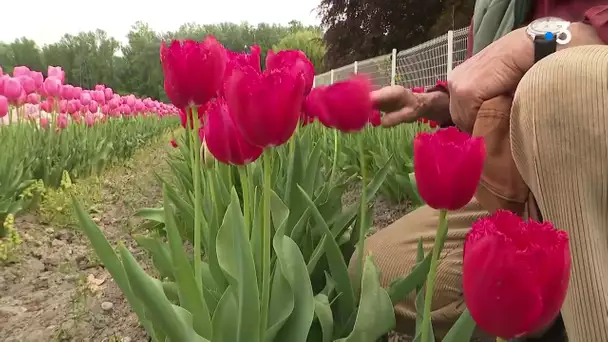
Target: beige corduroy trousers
point(559, 141)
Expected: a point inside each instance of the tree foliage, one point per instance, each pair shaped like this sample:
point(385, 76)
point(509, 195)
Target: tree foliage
point(360, 29)
point(90, 58)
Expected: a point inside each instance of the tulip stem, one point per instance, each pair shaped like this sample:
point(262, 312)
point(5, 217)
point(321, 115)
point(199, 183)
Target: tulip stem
point(500, 339)
point(440, 236)
point(363, 208)
point(196, 180)
point(334, 165)
point(245, 191)
point(267, 164)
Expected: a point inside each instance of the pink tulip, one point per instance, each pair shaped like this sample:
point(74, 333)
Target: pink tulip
point(33, 98)
point(108, 93)
point(56, 72)
point(93, 106)
point(67, 91)
point(77, 92)
point(38, 79)
point(85, 98)
point(21, 71)
point(44, 122)
point(28, 84)
point(62, 121)
point(89, 119)
point(3, 106)
point(53, 86)
point(12, 89)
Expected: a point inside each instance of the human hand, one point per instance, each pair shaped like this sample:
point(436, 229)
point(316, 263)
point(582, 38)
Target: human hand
point(401, 105)
point(497, 70)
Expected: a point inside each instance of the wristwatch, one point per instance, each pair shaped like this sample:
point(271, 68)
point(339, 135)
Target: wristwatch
point(546, 33)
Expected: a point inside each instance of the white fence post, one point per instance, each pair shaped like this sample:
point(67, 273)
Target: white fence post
point(450, 56)
point(331, 76)
point(393, 66)
point(356, 67)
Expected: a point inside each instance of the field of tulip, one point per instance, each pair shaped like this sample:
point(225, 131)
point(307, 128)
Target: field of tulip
point(250, 220)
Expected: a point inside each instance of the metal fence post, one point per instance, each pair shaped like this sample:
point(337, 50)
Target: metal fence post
point(450, 56)
point(356, 67)
point(331, 76)
point(393, 66)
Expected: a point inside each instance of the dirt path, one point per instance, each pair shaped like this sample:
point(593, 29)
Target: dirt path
point(57, 290)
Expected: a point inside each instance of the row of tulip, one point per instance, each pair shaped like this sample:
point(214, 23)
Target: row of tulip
point(71, 130)
point(256, 191)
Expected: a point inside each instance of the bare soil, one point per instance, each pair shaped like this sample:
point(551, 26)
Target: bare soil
point(56, 290)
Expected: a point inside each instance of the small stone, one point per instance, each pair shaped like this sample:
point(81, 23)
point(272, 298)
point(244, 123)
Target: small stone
point(107, 306)
point(49, 231)
point(12, 310)
point(57, 243)
point(126, 339)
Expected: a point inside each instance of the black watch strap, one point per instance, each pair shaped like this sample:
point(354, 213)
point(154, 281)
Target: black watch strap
point(543, 47)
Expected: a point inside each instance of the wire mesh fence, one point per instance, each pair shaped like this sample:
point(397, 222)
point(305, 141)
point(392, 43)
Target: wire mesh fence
point(419, 66)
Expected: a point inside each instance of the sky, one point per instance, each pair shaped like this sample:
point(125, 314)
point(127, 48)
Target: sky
point(50, 20)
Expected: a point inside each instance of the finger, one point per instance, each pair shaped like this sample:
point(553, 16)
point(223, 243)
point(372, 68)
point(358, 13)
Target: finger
point(386, 95)
point(406, 114)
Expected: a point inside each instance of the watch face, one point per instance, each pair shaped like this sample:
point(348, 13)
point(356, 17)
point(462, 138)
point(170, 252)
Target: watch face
point(549, 24)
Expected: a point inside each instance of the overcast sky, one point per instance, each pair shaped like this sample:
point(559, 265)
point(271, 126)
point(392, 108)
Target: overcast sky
point(47, 21)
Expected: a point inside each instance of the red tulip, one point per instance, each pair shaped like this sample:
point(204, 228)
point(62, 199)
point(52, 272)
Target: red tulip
point(312, 106)
point(173, 143)
point(265, 106)
point(448, 165)
point(347, 105)
point(224, 140)
point(239, 60)
point(296, 61)
point(515, 274)
point(375, 119)
point(194, 72)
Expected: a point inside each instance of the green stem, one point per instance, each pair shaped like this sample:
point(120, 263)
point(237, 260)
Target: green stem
point(442, 231)
point(363, 212)
point(334, 165)
point(246, 199)
point(195, 157)
point(266, 242)
point(500, 339)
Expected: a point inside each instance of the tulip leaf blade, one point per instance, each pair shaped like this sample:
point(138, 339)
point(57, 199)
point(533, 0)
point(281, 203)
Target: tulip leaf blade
point(375, 315)
point(174, 322)
point(236, 260)
point(110, 260)
point(462, 330)
point(337, 265)
point(324, 316)
point(190, 295)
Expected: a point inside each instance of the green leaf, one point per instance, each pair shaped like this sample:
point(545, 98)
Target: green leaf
point(401, 287)
point(158, 307)
point(462, 330)
point(375, 316)
point(106, 254)
point(324, 316)
point(236, 259)
point(160, 253)
point(224, 324)
point(337, 265)
point(190, 296)
point(293, 267)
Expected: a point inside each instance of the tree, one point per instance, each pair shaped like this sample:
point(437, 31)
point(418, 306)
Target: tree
point(91, 58)
point(309, 41)
point(360, 29)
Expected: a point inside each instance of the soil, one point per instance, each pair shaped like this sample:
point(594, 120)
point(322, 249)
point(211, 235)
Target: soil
point(58, 291)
